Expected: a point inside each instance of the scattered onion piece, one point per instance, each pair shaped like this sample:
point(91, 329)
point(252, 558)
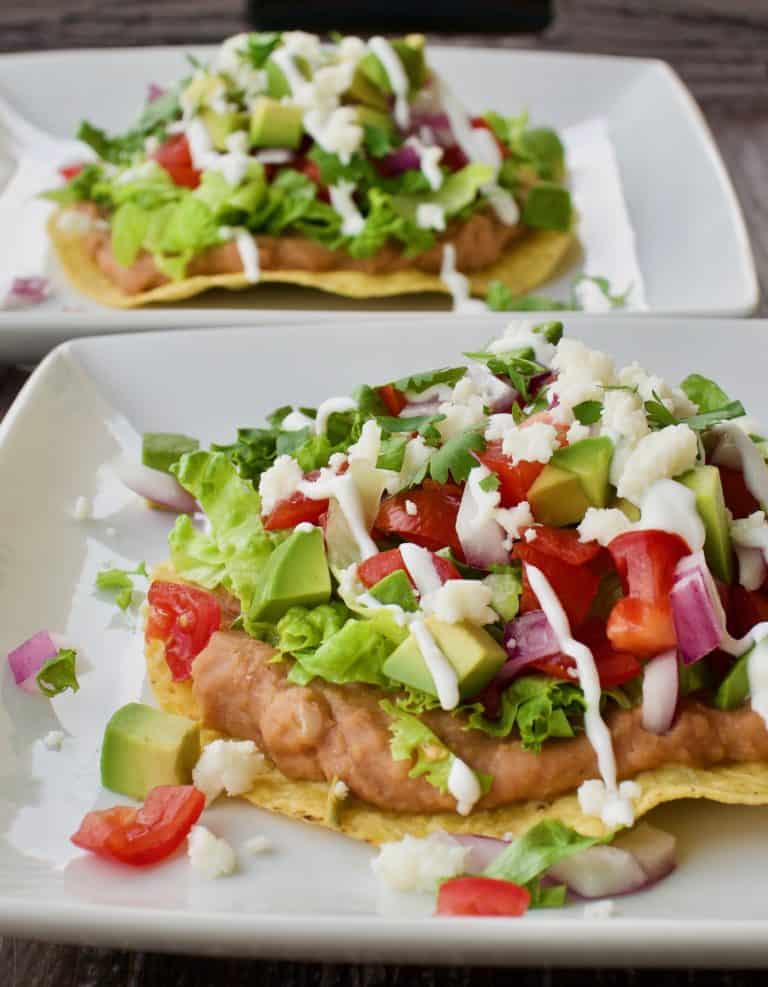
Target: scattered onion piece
point(27, 660)
point(156, 486)
point(25, 292)
point(483, 850)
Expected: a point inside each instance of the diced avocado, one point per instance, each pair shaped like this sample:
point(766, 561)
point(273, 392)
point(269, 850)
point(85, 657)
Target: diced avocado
point(221, 125)
point(144, 747)
point(367, 116)
point(395, 588)
point(548, 207)
point(277, 84)
point(203, 89)
point(547, 150)
point(557, 497)
point(296, 575)
point(362, 90)
point(411, 52)
point(631, 511)
point(506, 588)
point(705, 483)
point(590, 460)
point(734, 689)
point(474, 654)
point(160, 450)
point(275, 124)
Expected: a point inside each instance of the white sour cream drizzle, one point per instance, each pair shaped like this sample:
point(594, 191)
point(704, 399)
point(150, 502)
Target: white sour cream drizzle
point(429, 161)
point(389, 58)
point(503, 203)
point(430, 216)
point(457, 283)
point(343, 489)
point(284, 60)
point(249, 255)
point(616, 808)
point(464, 786)
point(233, 165)
point(420, 567)
point(342, 201)
point(442, 671)
point(670, 506)
point(331, 407)
point(736, 444)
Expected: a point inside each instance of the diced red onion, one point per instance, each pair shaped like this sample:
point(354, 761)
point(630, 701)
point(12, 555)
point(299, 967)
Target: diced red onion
point(154, 92)
point(27, 660)
point(416, 408)
point(155, 485)
point(436, 124)
point(653, 849)
point(405, 158)
point(600, 872)
point(698, 626)
point(660, 691)
point(527, 638)
point(483, 850)
point(27, 291)
point(481, 537)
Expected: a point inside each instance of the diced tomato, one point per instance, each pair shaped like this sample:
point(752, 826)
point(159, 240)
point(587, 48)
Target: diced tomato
point(575, 585)
point(514, 481)
point(183, 617)
point(745, 608)
point(738, 499)
point(433, 525)
point(293, 510)
point(641, 623)
point(454, 159)
point(311, 169)
point(68, 172)
point(482, 123)
point(564, 544)
point(614, 667)
point(394, 400)
point(373, 570)
point(174, 155)
point(482, 896)
point(146, 835)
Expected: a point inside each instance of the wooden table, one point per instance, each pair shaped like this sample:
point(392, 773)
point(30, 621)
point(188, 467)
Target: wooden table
point(720, 48)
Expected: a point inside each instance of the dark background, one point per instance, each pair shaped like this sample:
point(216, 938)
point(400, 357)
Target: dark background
point(720, 48)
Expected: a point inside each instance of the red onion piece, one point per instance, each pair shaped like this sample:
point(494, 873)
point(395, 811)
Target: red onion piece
point(600, 872)
point(527, 638)
point(436, 123)
point(27, 660)
point(483, 850)
point(416, 408)
point(698, 625)
point(653, 849)
point(660, 692)
point(480, 536)
point(27, 291)
point(155, 485)
point(405, 158)
point(154, 92)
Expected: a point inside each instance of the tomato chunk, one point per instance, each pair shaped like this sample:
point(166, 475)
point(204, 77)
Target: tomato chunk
point(641, 623)
point(175, 157)
point(145, 835)
point(575, 585)
point(564, 544)
point(373, 570)
point(514, 481)
point(68, 172)
point(482, 896)
point(394, 400)
point(738, 499)
point(183, 617)
point(433, 525)
point(294, 510)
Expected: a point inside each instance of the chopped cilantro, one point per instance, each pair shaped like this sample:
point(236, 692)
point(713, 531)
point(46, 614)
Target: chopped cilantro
point(119, 582)
point(421, 382)
point(455, 457)
point(490, 483)
point(588, 412)
point(58, 673)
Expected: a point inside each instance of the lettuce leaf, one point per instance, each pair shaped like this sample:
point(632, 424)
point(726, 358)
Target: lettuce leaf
point(303, 629)
point(413, 740)
point(196, 556)
point(537, 707)
point(356, 653)
point(129, 228)
point(541, 847)
point(58, 673)
point(119, 582)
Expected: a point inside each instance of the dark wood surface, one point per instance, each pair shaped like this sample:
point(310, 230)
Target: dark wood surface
point(720, 48)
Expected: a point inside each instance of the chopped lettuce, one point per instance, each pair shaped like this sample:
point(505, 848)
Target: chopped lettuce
point(541, 847)
point(355, 653)
point(119, 582)
point(537, 707)
point(413, 740)
point(129, 228)
point(421, 382)
point(58, 673)
point(304, 629)
point(196, 556)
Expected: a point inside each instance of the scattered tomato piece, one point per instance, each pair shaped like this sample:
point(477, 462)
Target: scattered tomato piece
point(183, 617)
point(482, 896)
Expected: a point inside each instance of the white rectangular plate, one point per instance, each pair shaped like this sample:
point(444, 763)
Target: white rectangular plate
point(693, 248)
point(314, 896)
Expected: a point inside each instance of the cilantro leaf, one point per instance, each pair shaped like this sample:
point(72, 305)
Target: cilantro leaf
point(490, 483)
point(706, 394)
point(499, 298)
point(423, 424)
point(700, 423)
point(120, 583)
point(518, 365)
point(617, 300)
point(392, 453)
point(588, 412)
point(259, 46)
point(58, 673)
point(378, 141)
point(455, 458)
point(659, 416)
point(431, 378)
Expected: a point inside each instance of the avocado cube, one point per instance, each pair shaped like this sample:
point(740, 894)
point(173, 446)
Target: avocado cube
point(203, 89)
point(546, 148)
point(144, 747)
point(362, 90)
point(275, 124)
point(367, 116)
point(395, 589)
point(221, 125)
point(630, 510)
point(410, 49)
point(557, 497)
point(707, 487)
point(590, 460)
point(548, 207)
point(160, 450)
point(296, 575)
point(277, 84)
point(474, 654)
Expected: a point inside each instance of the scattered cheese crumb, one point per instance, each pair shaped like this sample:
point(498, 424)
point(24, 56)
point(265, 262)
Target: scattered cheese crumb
point(413, 864)
point(514, 519)
point(257, 844)
point(461, 599)
point(411, 508)
point(614, 806)
point(228, 765)
point(340, 789)
point(278, 482)
point(460, 417)
point(83, 509)
point(603, 525)
point(600, 909)
point(430, 216)
point(666, 453)
point(532, 444)
point(337, 460)
point(53, 740)
point(531, 535)
point(368, 445)
point(209, 855)
point(577, 432)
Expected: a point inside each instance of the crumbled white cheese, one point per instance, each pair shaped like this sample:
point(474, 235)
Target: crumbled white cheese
point(338, 133)
point(461, 599)
point(229, 766)
point(666, 453)
point(411, 509)
point(53, 740)
point(430, 216)
point(498, 426)
point(352, 221)
point(280, 481)
point(615, 808)
point(368, 445)
point(531, 534)
point(532, 443)
point(257, 844)
point(751, 532)
point(340, 789)
point(209, 855)
point(520, 334)
point(582, 373)
point(577, 432)
point(603, 525)
point(600, 909)
point(623, 414)
point(460, 417)
point(83, 509)
point(514, 519)
point(413, 864)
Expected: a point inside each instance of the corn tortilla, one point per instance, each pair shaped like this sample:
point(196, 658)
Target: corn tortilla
point(738, 784)
point(525, 264)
